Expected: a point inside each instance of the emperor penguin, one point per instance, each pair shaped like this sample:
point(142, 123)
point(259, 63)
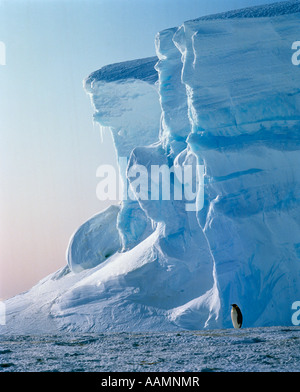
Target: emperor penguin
point(236, 316)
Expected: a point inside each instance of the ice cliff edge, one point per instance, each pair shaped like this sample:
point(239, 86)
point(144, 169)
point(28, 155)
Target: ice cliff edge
point(222, 94)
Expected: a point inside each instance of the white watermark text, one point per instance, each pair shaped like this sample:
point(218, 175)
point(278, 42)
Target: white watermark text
point(296, 54)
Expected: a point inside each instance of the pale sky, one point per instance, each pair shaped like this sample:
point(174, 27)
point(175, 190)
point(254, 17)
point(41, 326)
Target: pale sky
point(49, 147)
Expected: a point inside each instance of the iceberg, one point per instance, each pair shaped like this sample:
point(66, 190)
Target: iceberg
point(222, 94)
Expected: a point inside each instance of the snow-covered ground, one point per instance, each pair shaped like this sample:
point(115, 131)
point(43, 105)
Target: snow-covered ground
point(223, 94)
point(275, 349)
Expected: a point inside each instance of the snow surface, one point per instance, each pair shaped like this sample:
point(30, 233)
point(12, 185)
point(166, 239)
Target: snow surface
point(268, 349)
point(227, 97)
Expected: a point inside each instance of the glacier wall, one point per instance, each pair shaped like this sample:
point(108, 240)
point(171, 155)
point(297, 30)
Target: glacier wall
point(244, 109)
point(129, 104)
point(221, 93)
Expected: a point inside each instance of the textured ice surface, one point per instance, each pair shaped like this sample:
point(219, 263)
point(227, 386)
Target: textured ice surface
point(227, 97)
point(274, 349)
point(95, 240)
point(244, 107)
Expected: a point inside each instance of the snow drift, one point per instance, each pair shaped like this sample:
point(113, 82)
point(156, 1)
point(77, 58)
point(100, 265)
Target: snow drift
point(221, 93)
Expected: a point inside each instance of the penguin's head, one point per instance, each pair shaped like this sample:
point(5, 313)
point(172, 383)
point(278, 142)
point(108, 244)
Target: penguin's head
point(234, 306)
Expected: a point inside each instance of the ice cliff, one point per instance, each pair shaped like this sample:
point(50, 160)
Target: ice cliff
point(222, 94)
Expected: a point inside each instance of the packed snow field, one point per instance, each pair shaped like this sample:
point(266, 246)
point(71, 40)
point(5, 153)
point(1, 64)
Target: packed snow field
point(247, 350)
